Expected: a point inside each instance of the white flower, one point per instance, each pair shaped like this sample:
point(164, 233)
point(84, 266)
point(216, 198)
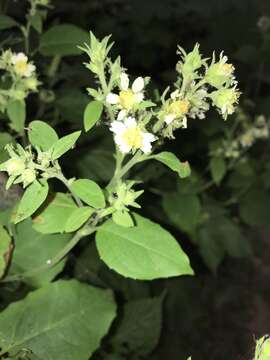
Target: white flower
point(21, 65)
point(127, 97)
point(129, 136)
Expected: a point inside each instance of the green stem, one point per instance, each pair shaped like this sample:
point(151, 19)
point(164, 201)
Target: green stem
point(65, 181)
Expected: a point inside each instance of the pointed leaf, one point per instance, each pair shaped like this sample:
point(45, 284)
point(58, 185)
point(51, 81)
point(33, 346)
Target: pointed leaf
point(65, 320)
point(170, 160)
point(64, 144)
point(78, 217)
point(92, 114)
point(17, 114)
point(5, 250)
point(89, 192)
point(145, 251)
point(42, 135)
point(32, 199)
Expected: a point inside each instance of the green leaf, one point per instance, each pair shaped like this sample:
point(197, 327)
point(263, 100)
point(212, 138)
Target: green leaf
point(145, 251)
point(5, 250)
point(122, 218)
point(32, 199)
point(42, 135)
point(65, 320)
point(6, 22)
point(37, 21)
point(78, 218)
point(89, 192)
point(33, 250)
point(64, 144)
point(5, 139)
point(170, 160)
point(52, 217)
point(63, 40)
point(183, 210)
point(218, 169)
point(140, 327)
point(254, 207)
point(17, 115)
point(92, 114)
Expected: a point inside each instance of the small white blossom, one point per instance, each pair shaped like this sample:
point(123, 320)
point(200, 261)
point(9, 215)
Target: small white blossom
point(21, 65)
point(129, 136)
point(127, 97)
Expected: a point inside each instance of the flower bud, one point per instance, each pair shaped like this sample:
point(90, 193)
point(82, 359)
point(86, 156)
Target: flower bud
point(14, 166)
point(28, 176)
point(225, 100)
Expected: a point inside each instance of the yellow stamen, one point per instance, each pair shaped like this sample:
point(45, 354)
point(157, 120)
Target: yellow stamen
point(20, 66)
point(133, 137)
point(127, 99)
point(179, 107)
point(228, 68)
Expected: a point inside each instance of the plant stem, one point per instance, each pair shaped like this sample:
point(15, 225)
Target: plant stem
point(65, 181)
point(85, 231)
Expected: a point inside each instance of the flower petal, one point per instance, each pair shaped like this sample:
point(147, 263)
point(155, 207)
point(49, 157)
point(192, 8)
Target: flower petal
point(138, 85)
point(130, 122)
point(121, 115)
point(146, 142)
point(169, 118)
point(112, 98)
point(124, 81)
point(139, 97)
point(117, 127)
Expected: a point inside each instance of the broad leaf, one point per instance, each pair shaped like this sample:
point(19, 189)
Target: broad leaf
point(218, 169)
point(140, 326)
point(33, 250)
point(89, 192)
point(42, 135)
point(53, 216)
point(65, 320)
point(32, 199)
point(63, 40)
point(183, 210)
point(5, 250)
point(64, 144)
point(7, 22)
point(78, 217)
point(122, 218)
point(17, 115)
point(92, 114)
point(170, 160)
point(145, 251)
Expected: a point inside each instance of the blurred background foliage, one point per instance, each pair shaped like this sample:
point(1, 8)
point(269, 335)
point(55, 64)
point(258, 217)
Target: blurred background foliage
point(223, 227)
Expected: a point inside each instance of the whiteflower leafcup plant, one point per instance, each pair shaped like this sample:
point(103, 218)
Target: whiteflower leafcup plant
point(130, 244)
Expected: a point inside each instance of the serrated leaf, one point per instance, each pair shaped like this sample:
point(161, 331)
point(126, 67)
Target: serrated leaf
point(218, 169)
point(33, 250)
point(63, 40)
point(53, 216)
point(64, 144)
point(6, 22)
point(17, 115)
point(42, 135)
point(65, 320)
point(92, 114)
point(5, 249)
point(170, 160)
point(32, 199)
point(89, 192)
point(77, 218)
point(145, 251)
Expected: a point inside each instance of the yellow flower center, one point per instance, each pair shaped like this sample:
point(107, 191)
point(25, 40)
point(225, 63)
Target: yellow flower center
point(179, 107)
point(127, 99)
point(228, 69)
point(247, 139)
point(133, 137)
point(20, 66)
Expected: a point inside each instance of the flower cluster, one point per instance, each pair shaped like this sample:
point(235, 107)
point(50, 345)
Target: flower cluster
point(199, 85)
point(248, 134)
point(25, 166)
point(19, 77)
